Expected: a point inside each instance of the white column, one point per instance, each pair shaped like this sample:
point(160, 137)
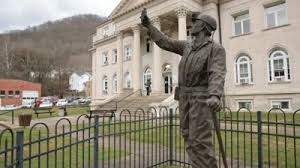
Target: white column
point(211, 9)
point(137, 59)
point(157, 81)
point(120, 63)
point(182, 30)
point(94, 73)
point(182, 35)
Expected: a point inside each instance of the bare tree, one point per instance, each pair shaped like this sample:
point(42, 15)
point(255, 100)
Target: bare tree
point(6, 54)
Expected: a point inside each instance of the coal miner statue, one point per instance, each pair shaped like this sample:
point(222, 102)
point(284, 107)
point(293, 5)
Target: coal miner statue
point(201, 79)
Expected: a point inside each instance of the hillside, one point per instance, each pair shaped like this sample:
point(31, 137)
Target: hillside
point(57, 47)
point(68, 39)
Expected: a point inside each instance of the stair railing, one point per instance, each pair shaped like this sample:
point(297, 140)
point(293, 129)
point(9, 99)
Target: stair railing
point(140, 93)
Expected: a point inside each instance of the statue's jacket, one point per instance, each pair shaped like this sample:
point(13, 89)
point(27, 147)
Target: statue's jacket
point(202, 68)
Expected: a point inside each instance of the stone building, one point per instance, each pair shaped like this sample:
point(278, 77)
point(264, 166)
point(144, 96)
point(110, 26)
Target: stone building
point(260, 38)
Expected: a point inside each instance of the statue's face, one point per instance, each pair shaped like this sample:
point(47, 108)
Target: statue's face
point(198, 26)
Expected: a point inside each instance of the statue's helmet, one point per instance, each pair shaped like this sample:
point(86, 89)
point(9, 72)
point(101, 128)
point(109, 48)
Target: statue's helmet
point(210, 22)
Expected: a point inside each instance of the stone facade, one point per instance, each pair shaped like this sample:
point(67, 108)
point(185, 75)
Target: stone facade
point(253, 33)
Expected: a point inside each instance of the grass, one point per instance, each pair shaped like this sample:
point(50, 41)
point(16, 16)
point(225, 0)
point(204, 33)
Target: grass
point(75, 155)
point(238, 145)
point(272, 116)
point(241, 147)
point(70, 110)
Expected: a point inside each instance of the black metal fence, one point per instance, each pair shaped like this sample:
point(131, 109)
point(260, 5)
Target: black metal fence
point(151, 139)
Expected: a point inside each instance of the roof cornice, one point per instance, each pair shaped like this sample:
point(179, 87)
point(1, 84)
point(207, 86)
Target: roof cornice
point(139, 6)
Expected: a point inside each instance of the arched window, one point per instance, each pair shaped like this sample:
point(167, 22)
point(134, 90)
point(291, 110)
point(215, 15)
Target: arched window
point(147, 77)
point(279, 66)
point(128, 83)
point(167, 68)
point(244, 70)
point(115, 83)
point(105, 85)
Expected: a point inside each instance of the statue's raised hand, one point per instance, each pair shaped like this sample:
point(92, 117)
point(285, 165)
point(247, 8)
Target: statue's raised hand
point(144, 18)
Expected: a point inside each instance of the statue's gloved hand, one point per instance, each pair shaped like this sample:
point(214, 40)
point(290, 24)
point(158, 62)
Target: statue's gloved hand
point(214, 103)
point(144, 18)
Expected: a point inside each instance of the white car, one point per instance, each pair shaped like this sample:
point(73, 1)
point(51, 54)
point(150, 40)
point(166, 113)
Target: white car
point(28, 105)
point(45, 104)
point(61, 102)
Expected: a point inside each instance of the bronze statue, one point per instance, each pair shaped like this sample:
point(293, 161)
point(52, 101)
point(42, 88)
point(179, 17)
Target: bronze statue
point(201, 79)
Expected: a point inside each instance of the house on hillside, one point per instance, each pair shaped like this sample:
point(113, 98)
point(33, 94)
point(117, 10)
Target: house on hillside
point(260, 38)
point(77, 81)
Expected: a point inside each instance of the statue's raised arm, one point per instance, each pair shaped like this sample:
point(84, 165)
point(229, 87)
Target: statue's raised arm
point(160, 39)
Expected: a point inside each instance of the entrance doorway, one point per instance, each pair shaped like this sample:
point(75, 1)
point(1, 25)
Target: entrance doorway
point(168, 82)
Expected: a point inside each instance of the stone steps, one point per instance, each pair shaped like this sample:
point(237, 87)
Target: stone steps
point(134, 102)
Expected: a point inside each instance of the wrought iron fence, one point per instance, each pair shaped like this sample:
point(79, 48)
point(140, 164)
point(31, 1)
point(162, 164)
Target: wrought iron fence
point(151, 139)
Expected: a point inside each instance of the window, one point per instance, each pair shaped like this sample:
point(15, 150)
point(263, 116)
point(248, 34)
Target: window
point(279, 67)
point(247, 104)
point(128, 80)
point(105, 31)
point(148, 45)
point(276, 15)
point(128, 53)
point(2, 93)
point(17, 93)
point(115, 56)
point(115, 83)
point(243, 70)
point(282, 104)
point(105, 85)
point(147, 77)
point(10, 93)
point(241, 24)
point(105, 58)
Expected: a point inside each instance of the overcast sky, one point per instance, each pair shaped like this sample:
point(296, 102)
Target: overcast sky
point(19, 14)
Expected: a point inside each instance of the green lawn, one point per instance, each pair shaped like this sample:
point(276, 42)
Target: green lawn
point(156, 132)
point(272, 116)
point(70, 110)
point(75, 155)
point(238, 145)
point(239, 148)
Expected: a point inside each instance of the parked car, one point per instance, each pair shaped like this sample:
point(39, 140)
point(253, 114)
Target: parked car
point(28, 105)
point(46, 104)
point(86, 100)
point(61, 102)
point(73, 103)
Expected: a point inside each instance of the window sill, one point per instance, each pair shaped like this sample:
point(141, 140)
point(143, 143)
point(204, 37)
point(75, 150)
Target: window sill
point(279, 82)
point(114, 63)
point(275, 27)
point(244, 85)
point(245, 34)
point(127, 60)
point(105, 65)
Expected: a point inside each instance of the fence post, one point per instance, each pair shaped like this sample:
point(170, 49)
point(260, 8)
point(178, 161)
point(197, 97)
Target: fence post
point(259, 140)
point(96, 141)
point(12, 116)
point(20, 148)
point(171, 136)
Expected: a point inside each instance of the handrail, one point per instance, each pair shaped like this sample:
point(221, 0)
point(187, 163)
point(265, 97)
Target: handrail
point(118, 101)
point(139, 90)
